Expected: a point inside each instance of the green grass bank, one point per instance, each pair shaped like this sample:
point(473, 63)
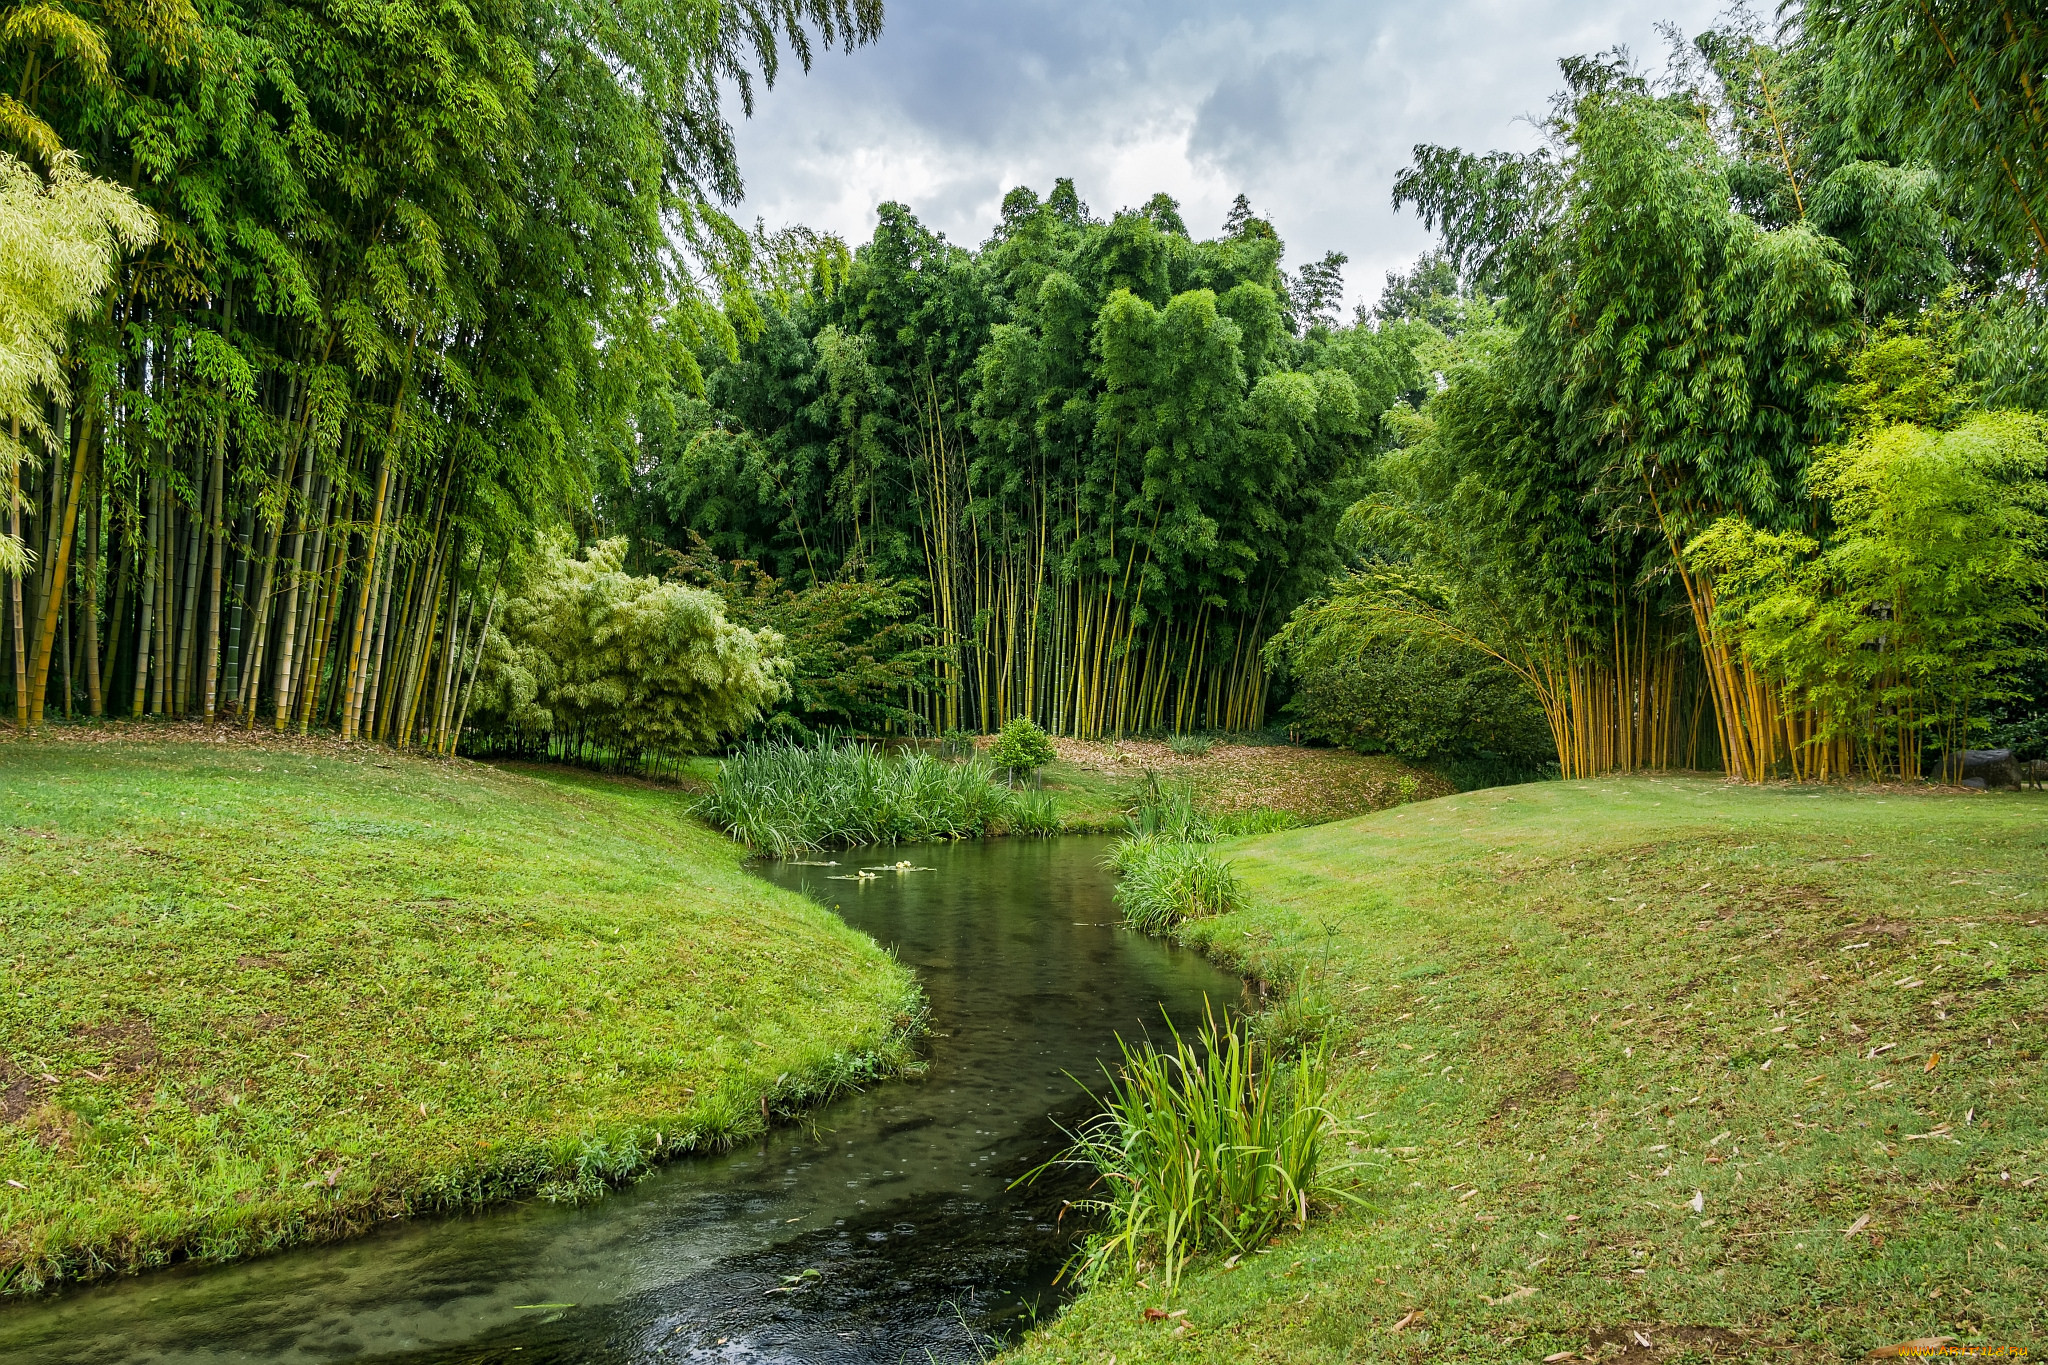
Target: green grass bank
point(1647, 1070)
point(262, 993)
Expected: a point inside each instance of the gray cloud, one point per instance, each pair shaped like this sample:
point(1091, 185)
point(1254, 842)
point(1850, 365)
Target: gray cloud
point(1309, 106)
point(1248, 119)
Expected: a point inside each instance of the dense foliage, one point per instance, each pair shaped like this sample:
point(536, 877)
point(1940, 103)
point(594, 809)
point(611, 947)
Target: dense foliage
point(626, 663)
point(859, 649)
point(1628, 453)
point(1706, 283)
point(1359, 679)
point(415, 267)
point(1111, 454)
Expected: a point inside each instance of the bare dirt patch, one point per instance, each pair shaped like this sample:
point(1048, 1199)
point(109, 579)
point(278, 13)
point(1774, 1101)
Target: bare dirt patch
point(1313, 784)
point(19, 1091)
point(1550, 1089)
point(127, 1041)
point(1647, 1344)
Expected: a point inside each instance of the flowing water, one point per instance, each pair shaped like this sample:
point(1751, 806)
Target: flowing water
point(883, 1230)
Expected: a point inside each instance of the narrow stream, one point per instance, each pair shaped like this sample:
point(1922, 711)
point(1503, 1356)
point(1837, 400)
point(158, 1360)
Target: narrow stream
point(883, 1231)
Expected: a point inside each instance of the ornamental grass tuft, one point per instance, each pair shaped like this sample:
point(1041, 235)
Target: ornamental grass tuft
point(784, 798)
point(1162, 882)
point(1166, 873)
point(1208, 1144)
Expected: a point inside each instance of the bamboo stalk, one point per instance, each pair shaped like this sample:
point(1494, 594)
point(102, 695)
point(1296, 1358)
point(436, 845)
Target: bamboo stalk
point(288, 627)
point(67, 529)
point(220, 478)
point(14, 585)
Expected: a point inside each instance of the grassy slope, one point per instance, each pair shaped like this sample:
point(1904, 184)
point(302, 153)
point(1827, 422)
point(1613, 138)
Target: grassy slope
point(1587, 1002)
point(261, 994)
point(1094, 782)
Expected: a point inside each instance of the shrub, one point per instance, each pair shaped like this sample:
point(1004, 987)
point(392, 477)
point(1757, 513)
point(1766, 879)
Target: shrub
point(631, 662)
point(856, 645)
point(1190, 746)
point(1366, 679)
point(785, 798)
point(1210, 1144)
point(1164, 881)
point(1022, 747)
point(1911, 616)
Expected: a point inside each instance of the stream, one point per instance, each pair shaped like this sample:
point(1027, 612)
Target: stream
point(882, 1230)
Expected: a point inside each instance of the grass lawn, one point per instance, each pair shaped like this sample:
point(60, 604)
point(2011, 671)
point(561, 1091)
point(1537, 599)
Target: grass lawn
point(261, 993)
point(1649, 1071)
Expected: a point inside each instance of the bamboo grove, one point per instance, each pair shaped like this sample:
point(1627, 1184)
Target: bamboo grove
point(1730, 471)
point(1111, 455)
point(412, 268)
point(1707, 437)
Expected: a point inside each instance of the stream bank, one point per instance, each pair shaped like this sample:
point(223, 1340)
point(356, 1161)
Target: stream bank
point(881, 1228)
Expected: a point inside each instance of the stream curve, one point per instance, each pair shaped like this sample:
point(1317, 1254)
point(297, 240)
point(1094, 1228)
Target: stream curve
point(883, 1229)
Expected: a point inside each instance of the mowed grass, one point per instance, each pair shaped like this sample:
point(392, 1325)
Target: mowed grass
point(1566, 1012)
point(266, 993)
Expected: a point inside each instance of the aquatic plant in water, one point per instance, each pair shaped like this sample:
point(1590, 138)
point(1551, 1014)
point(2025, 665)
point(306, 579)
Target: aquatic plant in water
point(785, 798)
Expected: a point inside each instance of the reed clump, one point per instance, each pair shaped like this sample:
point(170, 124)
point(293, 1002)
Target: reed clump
point(1161, 882)
point(1210, 1143)
point(1170, 810)
point(1166, 871)
point(785, 798)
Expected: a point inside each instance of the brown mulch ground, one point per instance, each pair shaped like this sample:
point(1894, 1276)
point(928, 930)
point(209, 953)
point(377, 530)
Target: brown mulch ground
point(1313, 784)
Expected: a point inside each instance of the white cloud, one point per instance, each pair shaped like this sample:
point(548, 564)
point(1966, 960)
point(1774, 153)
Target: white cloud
point(1308, 106)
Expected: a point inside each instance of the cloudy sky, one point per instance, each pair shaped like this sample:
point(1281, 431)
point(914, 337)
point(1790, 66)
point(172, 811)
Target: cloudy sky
point(1309, 107)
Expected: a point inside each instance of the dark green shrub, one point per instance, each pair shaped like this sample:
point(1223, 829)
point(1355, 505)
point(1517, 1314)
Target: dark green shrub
point(1363, 679)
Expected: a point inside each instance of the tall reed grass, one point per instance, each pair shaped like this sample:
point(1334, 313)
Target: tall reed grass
point(1161, 882)
point(1208, 1144)
point(785, 798)
point(1166, 872)
point(1169, 810)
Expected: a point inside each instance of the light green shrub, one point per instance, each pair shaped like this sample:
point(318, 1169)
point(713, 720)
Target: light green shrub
point(584, 648)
